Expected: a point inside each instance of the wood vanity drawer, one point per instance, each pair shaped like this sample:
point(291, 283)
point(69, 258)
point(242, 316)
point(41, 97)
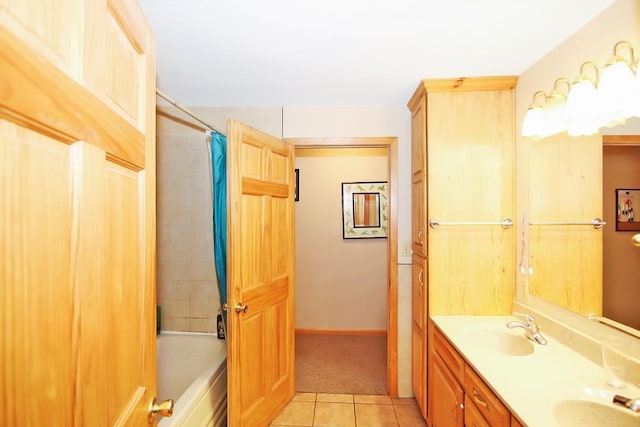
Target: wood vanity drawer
point(485, 401)
point(472, 417)
point(449, 355)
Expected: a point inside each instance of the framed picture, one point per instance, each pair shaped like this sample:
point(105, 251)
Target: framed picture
point(364, 210)
point(627, 201)
point(296, 190)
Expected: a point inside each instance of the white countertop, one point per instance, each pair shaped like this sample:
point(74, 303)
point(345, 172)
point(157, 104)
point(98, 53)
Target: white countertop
point(531, 385)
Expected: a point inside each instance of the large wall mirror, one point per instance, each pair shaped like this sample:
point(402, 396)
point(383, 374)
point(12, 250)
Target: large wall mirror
point(573, 261)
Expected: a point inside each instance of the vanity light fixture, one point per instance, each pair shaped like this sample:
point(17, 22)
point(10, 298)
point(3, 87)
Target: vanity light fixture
point(617, 89)
point(556, 109)
point(582, 103)
point(592, 101)
point(534, 118)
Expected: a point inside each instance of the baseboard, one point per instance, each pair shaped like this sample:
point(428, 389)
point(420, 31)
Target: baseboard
point(341, 332)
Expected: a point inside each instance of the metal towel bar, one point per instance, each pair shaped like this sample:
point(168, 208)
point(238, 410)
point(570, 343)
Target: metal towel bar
point(504, 223)
point(596, 223)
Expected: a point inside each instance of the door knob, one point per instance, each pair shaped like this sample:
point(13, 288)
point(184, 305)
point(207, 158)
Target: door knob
point(164, 408)
point(241, 308)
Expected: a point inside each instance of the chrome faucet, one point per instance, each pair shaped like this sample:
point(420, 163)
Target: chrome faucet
point(633, 404)
point(531, 329)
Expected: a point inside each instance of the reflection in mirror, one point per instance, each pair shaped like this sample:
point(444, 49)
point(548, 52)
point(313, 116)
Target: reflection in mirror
point(565, 250)
point(621, 260)
point(366, 209)
point(580, 267)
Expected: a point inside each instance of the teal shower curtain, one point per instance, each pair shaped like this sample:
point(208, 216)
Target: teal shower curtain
point(218, 151)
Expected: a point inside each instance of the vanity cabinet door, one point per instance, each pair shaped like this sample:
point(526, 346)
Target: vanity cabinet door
point(419, 367)
point(419, 177)
point(472, 416)
point(418, 332)
point(448, 396)
point(483, 398)
point(419, 292)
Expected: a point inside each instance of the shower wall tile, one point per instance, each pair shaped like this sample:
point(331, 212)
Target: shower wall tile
point(175, 324)
point(201, 271)
point(203, 308)
point(199, 324)
point(173, 270)
point(205, 290)
point(173, 289)
point(175, 307)
point(201, 250)
point(186, 272)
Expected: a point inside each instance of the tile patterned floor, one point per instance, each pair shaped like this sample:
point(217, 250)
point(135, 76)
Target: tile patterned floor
point(348, 410)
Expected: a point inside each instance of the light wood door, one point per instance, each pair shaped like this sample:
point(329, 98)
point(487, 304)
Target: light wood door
point(419, 178)
point(471, 267)
point(261, 353)
point(419, 331)
point(77, 213)
point(448, 396)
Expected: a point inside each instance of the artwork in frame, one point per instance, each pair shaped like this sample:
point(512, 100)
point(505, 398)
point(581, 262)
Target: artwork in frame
point(296, 190)
point(365, 210)
point(627, 201)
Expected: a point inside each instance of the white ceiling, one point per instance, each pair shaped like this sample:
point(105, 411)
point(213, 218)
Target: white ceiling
point(347, 52)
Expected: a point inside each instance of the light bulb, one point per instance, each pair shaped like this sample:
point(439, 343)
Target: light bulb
point(583, 117)
point(533, 122)
point(616, 93)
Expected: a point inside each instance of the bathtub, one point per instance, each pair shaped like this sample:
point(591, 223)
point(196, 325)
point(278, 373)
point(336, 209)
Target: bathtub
point(192, 370)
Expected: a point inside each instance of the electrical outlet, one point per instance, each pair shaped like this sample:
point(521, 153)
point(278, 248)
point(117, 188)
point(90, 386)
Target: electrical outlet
point(405, 249)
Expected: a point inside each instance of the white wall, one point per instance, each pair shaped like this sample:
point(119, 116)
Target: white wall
point(340, 284)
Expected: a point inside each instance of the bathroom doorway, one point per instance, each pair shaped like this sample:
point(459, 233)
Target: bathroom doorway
point(340, 316)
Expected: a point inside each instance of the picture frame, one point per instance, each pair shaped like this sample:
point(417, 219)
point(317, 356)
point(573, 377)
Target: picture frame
point(296, 188)
point(627, 202)
point(365, 210)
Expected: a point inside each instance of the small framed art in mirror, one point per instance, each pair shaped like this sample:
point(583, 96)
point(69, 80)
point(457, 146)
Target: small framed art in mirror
point(364, 210)
point(627, 201)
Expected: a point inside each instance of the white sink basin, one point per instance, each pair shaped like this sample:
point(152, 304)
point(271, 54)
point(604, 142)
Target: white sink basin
point(586, 413)
point(513, 345)
point(497, 336)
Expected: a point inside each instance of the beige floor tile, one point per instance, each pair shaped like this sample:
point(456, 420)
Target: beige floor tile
point(409, 416)
point(370, 398)
point(404, 401)
point(295, 414)
point(372, 415)
point(335, 398)
point(334, 415)
point(304, 397)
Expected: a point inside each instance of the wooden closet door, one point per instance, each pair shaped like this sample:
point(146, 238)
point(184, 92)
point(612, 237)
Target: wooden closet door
point(77, 213)
point(261, 353)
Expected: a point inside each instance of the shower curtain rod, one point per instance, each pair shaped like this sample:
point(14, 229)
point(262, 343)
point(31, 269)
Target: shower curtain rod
point(185, 110)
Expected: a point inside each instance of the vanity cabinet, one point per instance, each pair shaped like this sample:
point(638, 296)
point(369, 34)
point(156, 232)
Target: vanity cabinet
point(458, 396)
point(462, 175)
point(419, 331)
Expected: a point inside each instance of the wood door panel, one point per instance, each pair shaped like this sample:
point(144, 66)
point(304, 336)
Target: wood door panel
point(253, 241)
point(125, 71)
point(56, 36)
point(122, 273)
point(482, 250)
point(280, 216)
point(60, 107)
point(35, 207)
point(485, 192)
point(261, 260)
point(448, 409)
point(78, 220)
